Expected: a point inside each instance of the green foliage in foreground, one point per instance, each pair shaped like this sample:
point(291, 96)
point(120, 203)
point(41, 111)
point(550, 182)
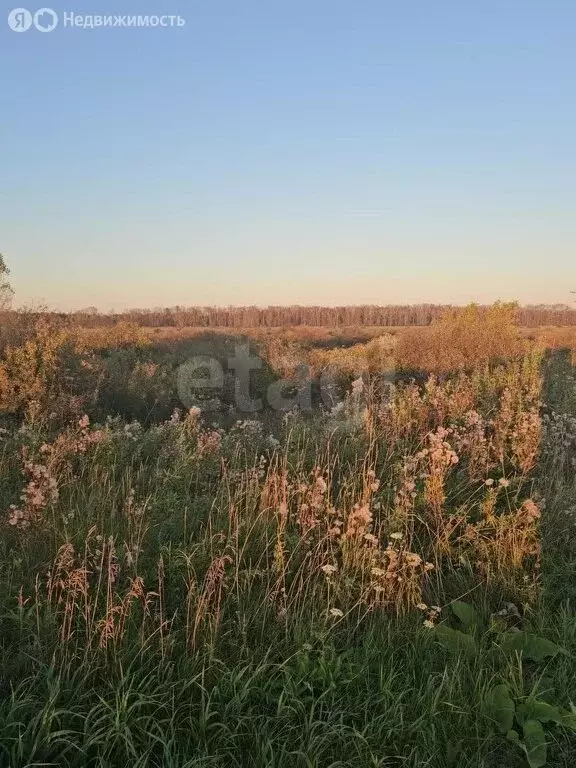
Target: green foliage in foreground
point(475, 691)
point(390, 696)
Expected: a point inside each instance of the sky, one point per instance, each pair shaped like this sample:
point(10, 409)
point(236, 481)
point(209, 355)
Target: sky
point(291, 151)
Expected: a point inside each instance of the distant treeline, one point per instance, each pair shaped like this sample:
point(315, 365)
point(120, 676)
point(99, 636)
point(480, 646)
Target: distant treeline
point(275, 316)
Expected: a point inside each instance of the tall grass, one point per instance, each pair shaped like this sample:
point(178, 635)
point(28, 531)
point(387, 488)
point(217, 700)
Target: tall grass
point(186, 595)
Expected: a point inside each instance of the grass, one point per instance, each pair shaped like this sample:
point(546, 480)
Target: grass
point(180, 594)
point(388, 697)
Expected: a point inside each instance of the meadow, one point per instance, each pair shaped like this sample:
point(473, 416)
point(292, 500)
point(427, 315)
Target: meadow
point(380, 573)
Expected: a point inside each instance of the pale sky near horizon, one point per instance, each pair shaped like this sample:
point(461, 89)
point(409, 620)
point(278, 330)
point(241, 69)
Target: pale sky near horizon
point(311, 151)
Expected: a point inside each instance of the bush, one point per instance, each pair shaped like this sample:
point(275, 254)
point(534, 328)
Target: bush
point(462, 339)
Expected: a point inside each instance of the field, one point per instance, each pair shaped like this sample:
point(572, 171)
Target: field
point(302, 547)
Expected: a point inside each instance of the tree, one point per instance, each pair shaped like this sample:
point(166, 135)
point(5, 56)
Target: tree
point(6, 292)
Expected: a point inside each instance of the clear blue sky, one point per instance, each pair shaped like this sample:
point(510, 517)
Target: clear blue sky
point(279, 151)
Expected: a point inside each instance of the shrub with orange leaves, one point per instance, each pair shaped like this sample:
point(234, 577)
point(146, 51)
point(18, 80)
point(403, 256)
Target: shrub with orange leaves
point(462, 339)
point(33, 376)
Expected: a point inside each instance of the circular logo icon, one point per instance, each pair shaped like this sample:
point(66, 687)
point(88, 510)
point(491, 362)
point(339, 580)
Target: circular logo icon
point(45, 20)
point(19, 20)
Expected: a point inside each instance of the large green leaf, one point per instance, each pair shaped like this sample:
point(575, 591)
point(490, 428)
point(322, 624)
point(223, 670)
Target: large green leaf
point(534, 743)
point(456, 641)
point(499, 708)
point(533, 709)
point(532, 646)
point(467, 614)
point(569, 719)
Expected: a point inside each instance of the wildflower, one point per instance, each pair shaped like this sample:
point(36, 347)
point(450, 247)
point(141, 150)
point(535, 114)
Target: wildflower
point(17, 517)
point(336, 612)
point(370, 538)
point(328, 569)
point(503, 482)
point(273, 443)
point(531, 509)
point(397, 536)
point(378, 572)
point(413, 559)
point(358, 520)
point(429, 624)
point(422, 607)
point(321, 484)
point(209, 442)
point(489, 482)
